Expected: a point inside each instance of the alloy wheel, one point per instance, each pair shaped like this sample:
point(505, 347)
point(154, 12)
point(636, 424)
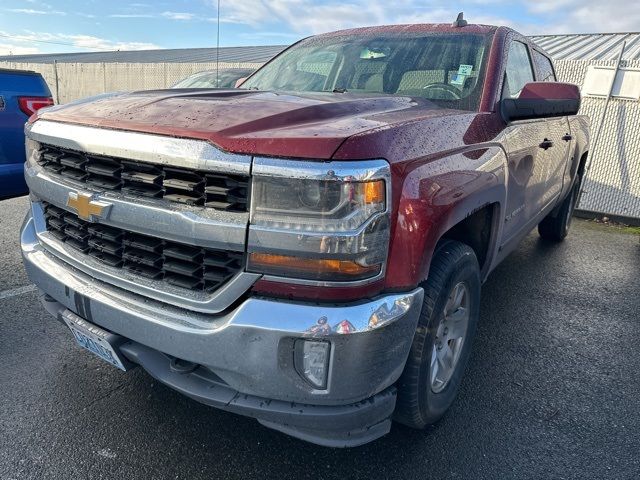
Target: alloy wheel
point(450, 336)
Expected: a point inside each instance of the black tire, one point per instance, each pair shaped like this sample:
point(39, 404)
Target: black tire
point(556, 228)
point(418, 405)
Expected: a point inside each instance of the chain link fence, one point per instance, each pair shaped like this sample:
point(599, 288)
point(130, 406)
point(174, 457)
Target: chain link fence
point(612, 186)
point(71, 81)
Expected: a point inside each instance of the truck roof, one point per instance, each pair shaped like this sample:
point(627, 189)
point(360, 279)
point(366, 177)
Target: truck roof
point(414, 28)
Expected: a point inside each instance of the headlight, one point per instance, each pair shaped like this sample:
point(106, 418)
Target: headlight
point(316, 205)
point(316, 221)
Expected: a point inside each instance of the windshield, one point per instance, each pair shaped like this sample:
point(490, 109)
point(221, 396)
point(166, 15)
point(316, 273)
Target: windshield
point(445, 68)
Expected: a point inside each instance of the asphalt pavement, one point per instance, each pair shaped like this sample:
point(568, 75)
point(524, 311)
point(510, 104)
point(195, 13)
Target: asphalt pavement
point(552, 390)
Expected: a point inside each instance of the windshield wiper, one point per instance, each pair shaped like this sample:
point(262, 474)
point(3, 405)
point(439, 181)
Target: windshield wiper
point(339, 90)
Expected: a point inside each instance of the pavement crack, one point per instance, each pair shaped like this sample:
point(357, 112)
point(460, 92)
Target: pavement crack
point(106, 395)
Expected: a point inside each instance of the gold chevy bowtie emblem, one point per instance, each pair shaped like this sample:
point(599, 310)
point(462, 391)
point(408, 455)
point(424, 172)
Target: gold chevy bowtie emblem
point(86, 208)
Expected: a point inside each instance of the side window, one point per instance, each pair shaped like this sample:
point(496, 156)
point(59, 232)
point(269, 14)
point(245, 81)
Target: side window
point(519, 71)
point(544, 67)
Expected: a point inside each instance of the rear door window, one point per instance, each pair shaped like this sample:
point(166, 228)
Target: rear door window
point(544, 68)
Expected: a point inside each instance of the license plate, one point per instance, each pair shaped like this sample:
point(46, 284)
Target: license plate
point(96, 340)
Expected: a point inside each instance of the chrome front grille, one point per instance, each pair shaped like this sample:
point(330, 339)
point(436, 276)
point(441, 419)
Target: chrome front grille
point(215, 190)
point(181, 265)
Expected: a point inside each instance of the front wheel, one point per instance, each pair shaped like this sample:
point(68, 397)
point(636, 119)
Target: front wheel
point(556, 228)
point(442, 342)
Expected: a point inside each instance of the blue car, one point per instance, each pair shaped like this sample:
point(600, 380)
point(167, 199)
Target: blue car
point(22, 93)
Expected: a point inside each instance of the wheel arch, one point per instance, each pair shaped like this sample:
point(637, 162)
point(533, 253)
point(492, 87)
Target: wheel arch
point(475, 221)
point(446, 198)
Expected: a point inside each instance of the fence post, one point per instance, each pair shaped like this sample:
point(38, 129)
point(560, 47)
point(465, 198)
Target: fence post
point(104, 78)
point(55, 76)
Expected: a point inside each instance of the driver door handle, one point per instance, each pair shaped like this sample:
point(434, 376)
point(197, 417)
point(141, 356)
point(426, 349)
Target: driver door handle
point(547, 144)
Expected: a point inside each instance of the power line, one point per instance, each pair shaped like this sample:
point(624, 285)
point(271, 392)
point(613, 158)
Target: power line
point(23, 39)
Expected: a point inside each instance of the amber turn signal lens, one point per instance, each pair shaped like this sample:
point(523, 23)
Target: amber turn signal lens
point(374, 192)
point(310, 268)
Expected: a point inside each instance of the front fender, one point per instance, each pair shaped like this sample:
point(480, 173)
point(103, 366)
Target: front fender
point(437, 195)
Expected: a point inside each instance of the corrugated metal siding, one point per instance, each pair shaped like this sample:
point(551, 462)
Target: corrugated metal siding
point(177, 55)
point(598, 46)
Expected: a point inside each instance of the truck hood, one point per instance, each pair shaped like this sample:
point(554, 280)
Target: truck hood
point(251, 122)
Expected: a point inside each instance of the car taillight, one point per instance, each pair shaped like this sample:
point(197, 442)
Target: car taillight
point(30, 105)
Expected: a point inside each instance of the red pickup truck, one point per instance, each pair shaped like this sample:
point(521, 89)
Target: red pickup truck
point(307, 250)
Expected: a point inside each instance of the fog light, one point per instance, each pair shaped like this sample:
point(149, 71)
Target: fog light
point(312, 362)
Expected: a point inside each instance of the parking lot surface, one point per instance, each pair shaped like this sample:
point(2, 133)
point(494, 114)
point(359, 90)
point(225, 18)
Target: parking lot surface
point(552, 389)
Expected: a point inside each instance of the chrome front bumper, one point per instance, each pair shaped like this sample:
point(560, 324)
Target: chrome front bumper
point(248, 348)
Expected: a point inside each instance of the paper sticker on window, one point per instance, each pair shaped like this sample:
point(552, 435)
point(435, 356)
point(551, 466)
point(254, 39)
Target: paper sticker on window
point(465, 70)
point(457, 79)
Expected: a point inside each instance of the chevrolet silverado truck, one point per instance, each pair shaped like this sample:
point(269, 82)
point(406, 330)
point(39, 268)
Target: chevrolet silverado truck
point(307, 250)
point(22, 93)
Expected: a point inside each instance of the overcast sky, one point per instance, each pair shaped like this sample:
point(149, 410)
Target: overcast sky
point(33, 26)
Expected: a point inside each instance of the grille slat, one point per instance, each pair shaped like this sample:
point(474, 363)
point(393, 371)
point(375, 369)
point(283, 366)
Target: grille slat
point(180, 265)
point(184, 198)
point(187, 254)
point(104, 173)
point(215, 275)
point(183, 268)
point(143, 242)
point(205, 189)
point(76, 162)
point(77, 234)
point(142, 189)
point(104, 166)
point(142, 257)
point(104, 246)
point(225, 192)
point(82, 246)
point(136, 173)
point(152, 273)
point(56, 223)
point(111, 260)
point(103, 183)
point(77, 175)
point(103, 232)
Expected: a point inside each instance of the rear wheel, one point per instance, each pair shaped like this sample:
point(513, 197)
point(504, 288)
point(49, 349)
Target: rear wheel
point(556, 228)
point(442, 343)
